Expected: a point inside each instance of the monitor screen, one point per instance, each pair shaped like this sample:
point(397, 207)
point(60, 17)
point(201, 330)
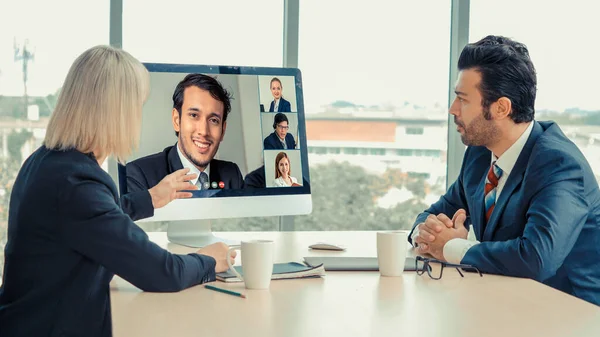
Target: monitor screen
point(252, 161)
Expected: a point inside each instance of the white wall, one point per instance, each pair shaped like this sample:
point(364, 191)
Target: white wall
point(250, 112)
point(296, 168)
point(231, 147)
point(267, 124)
point(157, 128)
point(288, 91)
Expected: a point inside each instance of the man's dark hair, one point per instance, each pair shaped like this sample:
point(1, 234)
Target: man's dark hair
point(203, 82)
point(506, 71)
point(279, 117)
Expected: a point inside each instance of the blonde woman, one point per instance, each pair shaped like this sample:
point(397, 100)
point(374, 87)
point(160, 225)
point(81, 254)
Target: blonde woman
point(283, 171)
point(67, 234)
point(278, 104)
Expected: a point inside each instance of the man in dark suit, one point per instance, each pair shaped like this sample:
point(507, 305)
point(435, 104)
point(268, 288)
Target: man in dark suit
point(280, 139)
point(256, 178)
point(200, 109)
point(149, 170)
point(529, 193)
point(278, 104)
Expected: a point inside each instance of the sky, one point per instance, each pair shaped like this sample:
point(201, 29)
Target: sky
point(367, 52)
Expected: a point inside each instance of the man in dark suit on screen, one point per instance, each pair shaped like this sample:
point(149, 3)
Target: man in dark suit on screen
point(280, 139)
point(199, 116)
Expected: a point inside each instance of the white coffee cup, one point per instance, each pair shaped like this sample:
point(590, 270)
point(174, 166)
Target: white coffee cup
point(257, 263)
point(391, 252)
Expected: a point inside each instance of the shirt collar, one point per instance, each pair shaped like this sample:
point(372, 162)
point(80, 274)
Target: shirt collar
point(188, 164)
point(507, 161)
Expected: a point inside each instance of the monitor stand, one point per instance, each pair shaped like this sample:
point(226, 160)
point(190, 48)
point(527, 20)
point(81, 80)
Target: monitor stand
point(194, 233)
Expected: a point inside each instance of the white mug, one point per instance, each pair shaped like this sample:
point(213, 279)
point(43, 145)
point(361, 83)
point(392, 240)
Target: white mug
point(391, 252)
point(257, 263)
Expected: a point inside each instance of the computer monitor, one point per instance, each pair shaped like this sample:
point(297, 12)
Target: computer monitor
point(243, 179)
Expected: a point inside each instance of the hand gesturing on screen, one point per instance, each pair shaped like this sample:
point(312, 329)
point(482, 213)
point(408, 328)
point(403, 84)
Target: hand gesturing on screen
point(172, 187)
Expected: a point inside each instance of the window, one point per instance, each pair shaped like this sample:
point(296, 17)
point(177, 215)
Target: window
point(377, 152)
point(242, 33)
point(381, 77)
point(414, 131)
point(321, 150)
point(404, 152)
point(565, 56)
point(29, 32)
point(432, 153)
point(350, 151)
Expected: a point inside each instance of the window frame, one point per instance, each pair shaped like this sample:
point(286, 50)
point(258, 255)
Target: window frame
point(459, 37)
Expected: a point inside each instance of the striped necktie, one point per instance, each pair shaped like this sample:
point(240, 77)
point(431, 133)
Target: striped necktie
point(491, 187)
point(202, 182)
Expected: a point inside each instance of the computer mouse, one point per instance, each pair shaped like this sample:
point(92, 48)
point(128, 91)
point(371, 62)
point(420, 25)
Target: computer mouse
point(326, 246)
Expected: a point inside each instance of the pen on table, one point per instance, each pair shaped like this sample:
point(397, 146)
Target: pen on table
point(208, 286)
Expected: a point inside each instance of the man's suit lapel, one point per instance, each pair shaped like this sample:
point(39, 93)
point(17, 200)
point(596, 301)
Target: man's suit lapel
point(474, 192)
point(276, 142)
point(514, 180)
point(173, 159)
point(214, 172)
point(479, 209)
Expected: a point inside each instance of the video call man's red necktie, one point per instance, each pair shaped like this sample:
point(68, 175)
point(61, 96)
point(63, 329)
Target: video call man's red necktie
point(491, 187)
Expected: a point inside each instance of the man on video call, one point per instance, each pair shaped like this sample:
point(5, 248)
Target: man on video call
point(529, 193)
point(280, 138)
point(200, 109)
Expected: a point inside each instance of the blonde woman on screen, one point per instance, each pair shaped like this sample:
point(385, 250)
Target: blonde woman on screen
point(278, 104)
point(283, 171)
point(68, 234)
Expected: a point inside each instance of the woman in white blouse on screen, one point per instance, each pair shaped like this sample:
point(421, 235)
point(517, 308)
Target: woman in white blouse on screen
point(283, 171)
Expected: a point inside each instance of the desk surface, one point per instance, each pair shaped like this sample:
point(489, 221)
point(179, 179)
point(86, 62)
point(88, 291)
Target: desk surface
point(352, 303)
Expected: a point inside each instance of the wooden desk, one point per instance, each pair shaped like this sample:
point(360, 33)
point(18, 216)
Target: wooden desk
point(352, 303)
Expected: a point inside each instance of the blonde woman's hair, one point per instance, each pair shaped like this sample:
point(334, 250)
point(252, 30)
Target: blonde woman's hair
point(99, 107)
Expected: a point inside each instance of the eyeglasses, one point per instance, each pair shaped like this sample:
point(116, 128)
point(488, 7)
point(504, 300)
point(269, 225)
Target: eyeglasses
point(283, 127)
point(438, 267)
